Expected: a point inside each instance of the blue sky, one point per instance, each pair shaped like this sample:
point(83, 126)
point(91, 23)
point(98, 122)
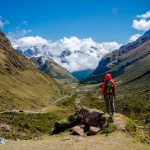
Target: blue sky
point(103, 20)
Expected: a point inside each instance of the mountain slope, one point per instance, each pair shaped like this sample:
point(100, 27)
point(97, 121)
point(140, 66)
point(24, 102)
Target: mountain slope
point(22, 86)
point(130, 61)
point(53, 69)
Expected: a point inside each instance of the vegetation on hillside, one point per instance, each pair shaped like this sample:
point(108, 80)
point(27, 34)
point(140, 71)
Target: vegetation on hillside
point(51, 68)
point(22, 85)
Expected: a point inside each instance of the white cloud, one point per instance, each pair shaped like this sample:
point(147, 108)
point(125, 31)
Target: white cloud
point(72, 53)
point(134, 37)
point(145, 15)
point(19, 33)
point(3, 22)
point(141, 24)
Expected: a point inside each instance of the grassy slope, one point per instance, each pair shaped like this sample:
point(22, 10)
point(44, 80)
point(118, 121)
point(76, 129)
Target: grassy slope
point(35, 124)
point(22, 85)
point(27, 90)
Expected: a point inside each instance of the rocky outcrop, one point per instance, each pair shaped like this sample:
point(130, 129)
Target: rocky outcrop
point(84, 122)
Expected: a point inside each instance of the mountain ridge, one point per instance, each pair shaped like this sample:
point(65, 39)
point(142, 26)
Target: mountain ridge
point(22, 85)
point(51, 68)
point(118, 61)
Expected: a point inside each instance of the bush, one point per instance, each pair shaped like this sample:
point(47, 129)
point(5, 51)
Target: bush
point(108, 128)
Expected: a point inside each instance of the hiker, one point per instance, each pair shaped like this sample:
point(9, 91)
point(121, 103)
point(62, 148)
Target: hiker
point(108, 93)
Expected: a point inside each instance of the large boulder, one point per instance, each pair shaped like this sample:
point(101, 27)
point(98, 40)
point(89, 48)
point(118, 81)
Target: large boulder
point(91, 117)
point(84, 121)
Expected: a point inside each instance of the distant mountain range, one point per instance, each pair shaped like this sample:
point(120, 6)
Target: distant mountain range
point(81, 75)
point(130, 62)
point(22, 85)
point(54, 70)
point(78, 56)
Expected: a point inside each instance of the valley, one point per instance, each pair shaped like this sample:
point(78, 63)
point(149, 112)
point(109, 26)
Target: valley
point(35, 95)
point(34, 127)
point(87, 96)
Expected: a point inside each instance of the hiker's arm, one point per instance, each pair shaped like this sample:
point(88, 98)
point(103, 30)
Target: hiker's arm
point(102, 89)
point(114, 89)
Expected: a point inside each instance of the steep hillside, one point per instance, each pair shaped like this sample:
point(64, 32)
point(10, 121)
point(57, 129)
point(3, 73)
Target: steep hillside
point(22, 86)
point(130, 61)
point(54, 70)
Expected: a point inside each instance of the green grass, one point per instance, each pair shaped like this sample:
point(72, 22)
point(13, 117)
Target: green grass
point(27, 126)
point(134, 130)
point(91, 101)
point(27, 90)
point(108, 128)
point(67, 102)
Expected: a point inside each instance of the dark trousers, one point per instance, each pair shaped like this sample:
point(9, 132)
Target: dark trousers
point(109, 102)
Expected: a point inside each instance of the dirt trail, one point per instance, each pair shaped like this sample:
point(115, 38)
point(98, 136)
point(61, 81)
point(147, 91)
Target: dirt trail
point(43, 110)
point(114, 141)
point(53, 104)
point(79, 90)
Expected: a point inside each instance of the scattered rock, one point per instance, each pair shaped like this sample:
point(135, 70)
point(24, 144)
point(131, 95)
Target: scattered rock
point(37, 138)
point(67, 139)
point(3, 140)
point(93, 130)
point(141, 127)
point(73, 139)
point(21, 111)
point(78, 130)
point(5, 128)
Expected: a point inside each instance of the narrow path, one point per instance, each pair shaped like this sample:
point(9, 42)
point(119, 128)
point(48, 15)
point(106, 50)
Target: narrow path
point(43, 110)
point(53, 104)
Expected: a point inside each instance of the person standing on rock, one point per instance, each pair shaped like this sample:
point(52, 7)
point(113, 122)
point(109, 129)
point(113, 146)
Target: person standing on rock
point(108, 93)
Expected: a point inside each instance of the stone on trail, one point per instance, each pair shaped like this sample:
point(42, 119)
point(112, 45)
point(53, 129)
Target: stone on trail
point(93, 130)
point(78, 130)
point(3, 140)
